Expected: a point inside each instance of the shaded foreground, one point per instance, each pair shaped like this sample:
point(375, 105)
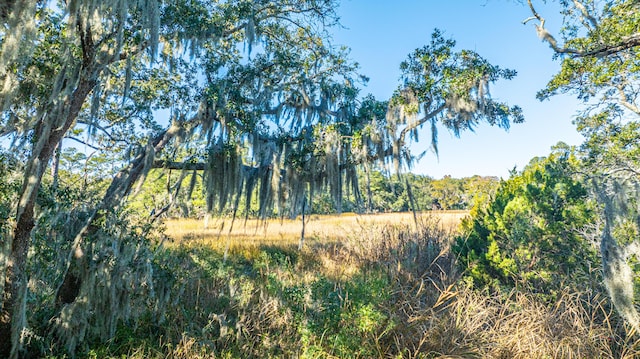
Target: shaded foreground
point(382, 290)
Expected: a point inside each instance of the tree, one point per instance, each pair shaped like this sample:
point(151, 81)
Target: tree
point(438, 86)
point(80, 49)
point(448, 193)
point(531, 232)
point(599, 54)
point(306, 131)
point(46, 106)
point(479, 189)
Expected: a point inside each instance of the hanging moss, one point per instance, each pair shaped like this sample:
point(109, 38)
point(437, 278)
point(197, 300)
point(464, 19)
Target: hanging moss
point(117, 285)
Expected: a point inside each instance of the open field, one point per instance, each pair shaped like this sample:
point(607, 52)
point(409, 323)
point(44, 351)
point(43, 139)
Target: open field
point(365, 286)
point(287, 231)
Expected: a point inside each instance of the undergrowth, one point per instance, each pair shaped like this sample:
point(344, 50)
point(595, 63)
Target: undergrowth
point(388, 291)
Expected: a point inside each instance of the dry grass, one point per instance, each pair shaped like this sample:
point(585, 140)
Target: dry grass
point(519, 325)
point(285, 232)
point(428, 313)
point(387, 289)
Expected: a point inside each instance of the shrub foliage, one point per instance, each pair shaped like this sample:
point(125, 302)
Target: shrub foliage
point(535, 231)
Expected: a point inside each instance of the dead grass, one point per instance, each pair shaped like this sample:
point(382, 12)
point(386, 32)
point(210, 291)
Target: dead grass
point(286, 232)
point(521, 325)
point(387, 288)
point(429, 313)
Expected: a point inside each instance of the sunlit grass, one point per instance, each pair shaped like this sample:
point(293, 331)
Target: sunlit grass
point(388, 288)
point(287, 232)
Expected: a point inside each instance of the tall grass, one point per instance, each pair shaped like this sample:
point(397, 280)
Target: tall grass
point(385, 289)
point(256, 232)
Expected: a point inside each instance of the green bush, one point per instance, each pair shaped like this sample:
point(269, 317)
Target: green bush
point(532, 232)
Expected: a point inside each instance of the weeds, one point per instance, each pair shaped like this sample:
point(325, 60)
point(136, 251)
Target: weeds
point(385, 290)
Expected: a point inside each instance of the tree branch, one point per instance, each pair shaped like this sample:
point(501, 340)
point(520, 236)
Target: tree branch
point(174, 165)
point(626, 43)
point(592, 22)
point(624, 100)
point(545, 35)
point(85, 143)
point(138, 49)
point(420, 122)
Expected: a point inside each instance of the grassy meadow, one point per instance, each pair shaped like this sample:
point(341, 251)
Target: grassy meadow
point(285, 232)
point(378, 286)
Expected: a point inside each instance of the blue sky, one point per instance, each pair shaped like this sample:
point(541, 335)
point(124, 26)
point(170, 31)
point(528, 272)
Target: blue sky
point(382, 33)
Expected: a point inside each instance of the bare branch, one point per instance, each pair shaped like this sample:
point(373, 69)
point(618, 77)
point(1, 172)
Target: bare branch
point(103, 130)
point(86, 143)
point(592, 22)
point(545, 35)
point(173, 165)
point(624, 100)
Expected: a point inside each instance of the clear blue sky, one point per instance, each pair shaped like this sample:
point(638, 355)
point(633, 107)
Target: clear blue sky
point(382, 33)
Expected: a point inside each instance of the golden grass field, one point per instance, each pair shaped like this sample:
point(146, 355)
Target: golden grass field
point(369, 290)
point(287, 231)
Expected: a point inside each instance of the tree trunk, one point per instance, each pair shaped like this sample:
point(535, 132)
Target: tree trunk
point(55, 170)
point(369, 194)
point(304, 223)
point(12, 313)
point(119, 188)
point(412, 201)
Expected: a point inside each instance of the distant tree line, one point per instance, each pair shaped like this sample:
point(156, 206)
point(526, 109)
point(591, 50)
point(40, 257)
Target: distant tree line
point(390, 193)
